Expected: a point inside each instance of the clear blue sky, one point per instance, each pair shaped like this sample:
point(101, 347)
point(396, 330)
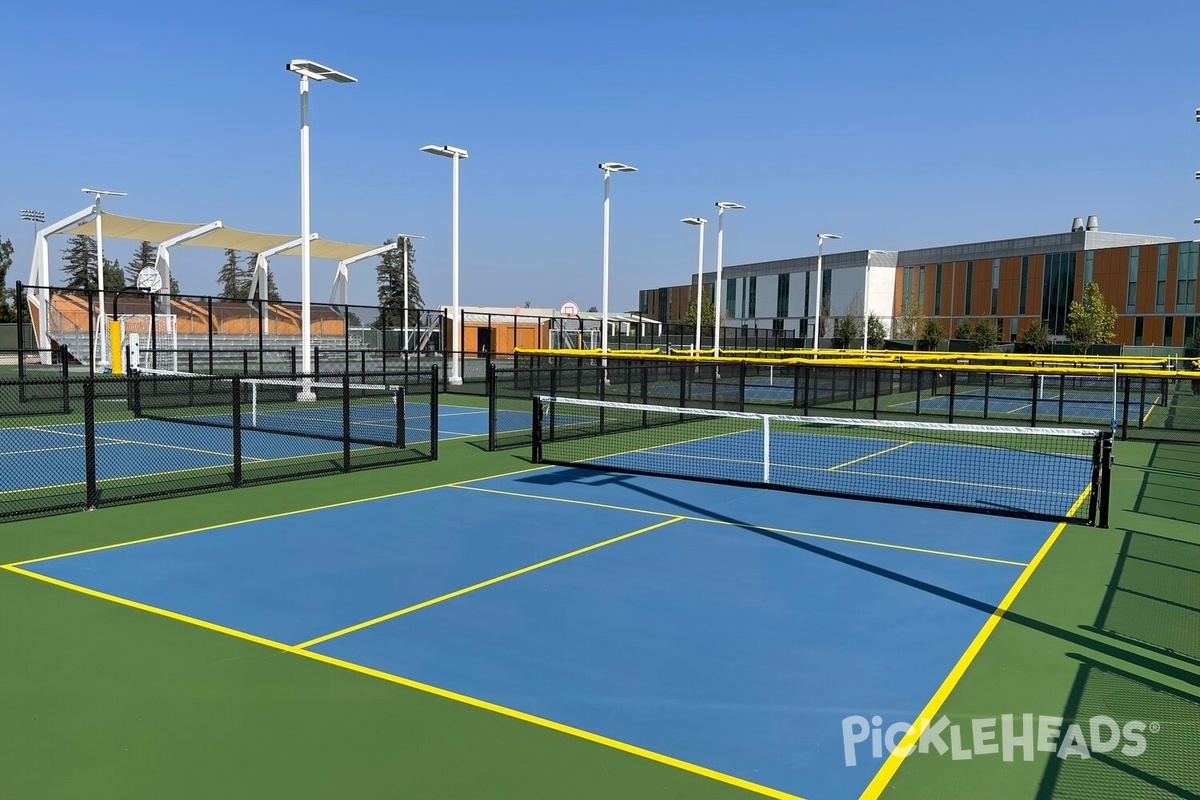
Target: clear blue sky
point(895, 124)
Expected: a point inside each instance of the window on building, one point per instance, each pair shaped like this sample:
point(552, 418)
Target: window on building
point(826, 293)
point(662, 306)
point(1185, 284)
point(937, 291)
point(907, 281)
point(731, 297)
point(781, 302)
point(1012, 329)
point(1088, 258)
point(1137, 330)
point(752, 298)
point(967, 301)
point(995, 285)
point(1058, 289)
point(1189, 330)
point(1024, 284)
point(1131, 292)
point(921, 286)
point(1160, 287)
point(777, 327)
point(1168, 331)
point(808, 279)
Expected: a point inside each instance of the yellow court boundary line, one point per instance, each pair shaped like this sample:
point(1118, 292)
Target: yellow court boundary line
point(235, 523)
point(481, 584)
point(446, 694)
point(889, 767)
point(749, 526)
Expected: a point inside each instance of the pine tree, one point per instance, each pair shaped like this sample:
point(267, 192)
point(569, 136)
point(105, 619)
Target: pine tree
point(230, 278)
point(114, 276)
point(79, 262)
point(389, 280)
point(145, 256)
point(272, 289)
point(174, 286)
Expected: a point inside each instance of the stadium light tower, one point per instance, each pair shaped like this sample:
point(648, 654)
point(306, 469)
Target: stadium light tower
point(608, 167)
point(821, 237)
point(699, 222)
point(317, 72)
point(36, 217)
point(96, 195)
point(722, 207)
point(454, 154)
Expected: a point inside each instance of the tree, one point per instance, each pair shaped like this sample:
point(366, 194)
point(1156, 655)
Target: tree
point(272, 289)
point(983, 334)
point(593, 310)
point(1035, 338)
point(8, 313)
point(963, 329)
point(1090, 322)
point(114, 276)
point(876, 332)
point(708, 314)
point(389, 284)
point(174, 286)
point(248, 274)
point(932, 335)
point(528, 304)
point(912, 321)
point(79, 262)
point(231, 277)
point(145, 256)
point(845, 330)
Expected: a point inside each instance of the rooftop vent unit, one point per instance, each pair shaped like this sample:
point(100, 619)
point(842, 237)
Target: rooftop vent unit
point(1076, 224)
point(1093, 223)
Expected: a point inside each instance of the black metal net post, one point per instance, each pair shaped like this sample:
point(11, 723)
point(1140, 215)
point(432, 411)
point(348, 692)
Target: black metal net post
point(401, 422)
point(491, 399)
point(89, 442)
point(433, 412)
point(345, 422)
point(236, 408)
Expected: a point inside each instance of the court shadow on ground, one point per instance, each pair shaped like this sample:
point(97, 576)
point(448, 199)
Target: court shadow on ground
point(1170, 484)
point(1102, 644)
point(1168, 766)
point(1153, 597)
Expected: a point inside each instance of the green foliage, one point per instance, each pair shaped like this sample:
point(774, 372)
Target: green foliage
point(145, 256)
point(1090, 322)
point(389, 284)
point(876, 332)
point(8, 311)
point(79, 262)
point(1035, 338)
point(983, 334)
point(232, 278)
point(708, 314)
point(963, 329)
point(911, 321)
point(845, 330)
point(932, 335)
point(174, 286)
point(114, 276)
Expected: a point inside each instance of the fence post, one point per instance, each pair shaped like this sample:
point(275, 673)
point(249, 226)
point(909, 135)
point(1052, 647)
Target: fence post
point(490, 383)
point(89, 440)
point(875, 396)
point(345, 422)
point(433, 413)
point(741, 386)
point(1125, 411)
point(236, 407)
point(89, 294)
point(64, 365)
point(210, 324)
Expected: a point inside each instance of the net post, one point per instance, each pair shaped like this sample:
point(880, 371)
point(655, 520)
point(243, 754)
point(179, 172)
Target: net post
point(89, 440)
point(490, 383)
point(953, 392)
point(766, 434)
point(1035, 381)
point(854, 389)
point(920, 380)
point(1094, 496)
point(875, 397)
point(401, 431)
point(64, 357)
point(135, 393)
point(683, 392)
point(1062, 392)
point(644, 370)
point(345, 422)
point(536, 411)
point(796, 373)
point(1105, 476)
point(987, 390)
point(553, 393)
point(236, 408)
point(434, 388)
point(1125, 411)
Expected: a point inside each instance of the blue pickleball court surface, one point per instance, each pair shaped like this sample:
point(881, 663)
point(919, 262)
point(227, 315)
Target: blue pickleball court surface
point(730, 628)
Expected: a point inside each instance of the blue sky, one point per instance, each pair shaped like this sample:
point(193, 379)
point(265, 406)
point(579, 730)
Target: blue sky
point(895, 124)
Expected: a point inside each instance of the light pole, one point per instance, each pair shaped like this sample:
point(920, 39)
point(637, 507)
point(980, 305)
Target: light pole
point(96, 195)
point(608, 167)
point(699, 222)
point(722, 206)
point(821, 237)
point(36, 217)
point(454, 154)
point(318, 72)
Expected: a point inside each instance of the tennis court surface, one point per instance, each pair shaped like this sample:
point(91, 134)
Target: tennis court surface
point(725, 630)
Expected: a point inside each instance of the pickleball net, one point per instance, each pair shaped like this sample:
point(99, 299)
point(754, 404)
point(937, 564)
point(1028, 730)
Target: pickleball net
point(1058, 474)
point(328, 408)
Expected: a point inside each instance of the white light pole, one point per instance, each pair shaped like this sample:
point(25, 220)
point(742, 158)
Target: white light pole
point(722, 206)
point(821, 237)
point(608, 167)
point(96, 195)
point(454, 154)
point(318, 72)
point(699, 222)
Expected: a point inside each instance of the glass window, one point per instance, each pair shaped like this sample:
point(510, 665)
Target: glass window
point(1137, 330)
point(1131, 293)
point(1168, 331)
point(1024, 283)
point(1162, 261)
point(826, 293)
point(967, 301)
point(731, 297)
point(995, 284)
point(781, 302)
point(937, 291)
point(1189, 330)
point(752, 300)
point(808, 277)
point(1058, 289)
point(1012, 329)
point(920, 286)
point(1160, 296)
point(1087, 267)
point(907, 287)
point(1185, 284)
